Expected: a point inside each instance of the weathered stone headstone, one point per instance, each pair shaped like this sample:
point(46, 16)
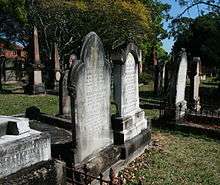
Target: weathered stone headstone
point(57, 71)
point(64, 98)
point(130, 120)
point(194, 75)
point(20, 146)
point(140, 59)
point(177, 87)
point(89, 86)
point(36, 84)
point(159, 81)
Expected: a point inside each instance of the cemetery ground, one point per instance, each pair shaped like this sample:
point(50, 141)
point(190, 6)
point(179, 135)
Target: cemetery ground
point(172, 158)
point(177, 158)
point(14, 101)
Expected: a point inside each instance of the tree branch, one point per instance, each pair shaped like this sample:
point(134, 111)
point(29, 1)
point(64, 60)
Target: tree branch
point(195, 4)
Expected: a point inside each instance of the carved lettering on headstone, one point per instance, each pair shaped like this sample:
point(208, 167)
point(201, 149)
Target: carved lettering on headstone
point(91, 81)
point(130, 91)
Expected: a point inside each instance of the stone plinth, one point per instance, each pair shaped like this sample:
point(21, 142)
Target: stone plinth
point(20, 146)
point(13, 126)
point(130, 120)
point(17, 152)
point(126, 128)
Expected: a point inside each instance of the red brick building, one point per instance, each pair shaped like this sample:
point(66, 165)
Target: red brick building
point(18, 52)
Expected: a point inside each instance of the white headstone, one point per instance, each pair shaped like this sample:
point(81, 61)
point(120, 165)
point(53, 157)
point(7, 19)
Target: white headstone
point(130, 96)
point(181, 79)
point(90, 81)
point(130, 119)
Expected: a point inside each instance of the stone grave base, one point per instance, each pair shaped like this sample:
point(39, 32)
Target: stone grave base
point(130, 133)
point(102, 160)
point(46, 172)
point(35, 89)
point(39, 89)
point(134, 144)
point(128, 127)
point(20, 151)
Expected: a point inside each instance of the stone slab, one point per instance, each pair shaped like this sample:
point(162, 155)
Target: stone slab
point(128, 127)
point(130, 146)
point(13, 125)
point(17, 152)
point(50, 172)
point(102, 160)
point(125, 135)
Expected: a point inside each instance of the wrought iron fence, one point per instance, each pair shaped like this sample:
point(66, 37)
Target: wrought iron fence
point(192, 112)
point(83, 177)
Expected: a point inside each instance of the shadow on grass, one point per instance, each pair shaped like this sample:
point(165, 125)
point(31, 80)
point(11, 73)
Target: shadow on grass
point(149, 95)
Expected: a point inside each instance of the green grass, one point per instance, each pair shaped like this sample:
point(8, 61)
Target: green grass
point(17, 103)
point(177, 159)
point(152, 113)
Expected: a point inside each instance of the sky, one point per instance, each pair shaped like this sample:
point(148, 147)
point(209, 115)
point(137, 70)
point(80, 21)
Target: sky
point(174, 12)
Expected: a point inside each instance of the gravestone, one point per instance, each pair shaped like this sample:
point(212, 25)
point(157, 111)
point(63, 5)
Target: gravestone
point(140, 59)
point(194, 75)
point(57, 70)
point(177, 86)
point(129, 123)
point(89, 87)
point(20, 146)
point(64, 98)
point(162, 71)
point(36, 85)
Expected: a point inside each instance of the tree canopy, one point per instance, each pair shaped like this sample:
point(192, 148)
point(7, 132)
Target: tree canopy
point(200, 37)
point(66, 22)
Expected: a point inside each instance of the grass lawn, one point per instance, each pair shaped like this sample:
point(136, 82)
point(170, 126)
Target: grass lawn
point(175, 158)
point(17, 103)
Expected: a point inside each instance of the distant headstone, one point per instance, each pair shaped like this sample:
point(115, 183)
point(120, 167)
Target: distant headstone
point(130, 120)
point(36, 85)
point(159, 81)
point(162, 77)
point(194, 75)
point(177, 87)
point(57, 70)
point(65, 105)
point(89, 87)
point(64, 98)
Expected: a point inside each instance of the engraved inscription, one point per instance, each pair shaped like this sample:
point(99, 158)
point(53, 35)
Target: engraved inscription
point(95, 96)
point(130, 85)
point(92, 103)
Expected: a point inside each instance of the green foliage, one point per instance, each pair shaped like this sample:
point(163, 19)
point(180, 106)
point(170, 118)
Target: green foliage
point(116, 22)
point(200, 37)
point(14, 9)
point(13, 21)
point(202, 6)
point(67, 22)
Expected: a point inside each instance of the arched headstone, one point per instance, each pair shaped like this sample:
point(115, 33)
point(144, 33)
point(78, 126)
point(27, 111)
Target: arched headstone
point(129, 123)
point(177, 86)
point(89, 87)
